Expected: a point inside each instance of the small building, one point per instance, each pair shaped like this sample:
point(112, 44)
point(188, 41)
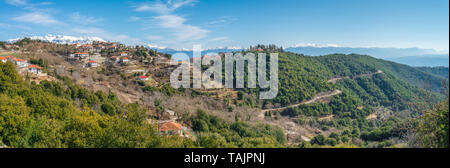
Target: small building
point(10, 58)
point(82, 54)
point(7, 58)
point(124, 60)
point(123, 54)
point(114, 58)
point(171, 128)
point(93, 64)
point(21, 62)
point(143, 78)
point(34, 69)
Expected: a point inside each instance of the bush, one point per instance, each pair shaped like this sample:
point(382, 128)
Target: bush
point(331, 141)
point(319, 140)
point(108, 109)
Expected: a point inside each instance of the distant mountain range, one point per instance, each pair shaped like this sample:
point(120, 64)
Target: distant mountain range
point(423, 60)
point(408, 56)
point(62, 39)
point(190, 53)
point(372, 51)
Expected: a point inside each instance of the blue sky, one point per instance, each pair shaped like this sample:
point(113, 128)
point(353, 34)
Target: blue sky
point(214, 23)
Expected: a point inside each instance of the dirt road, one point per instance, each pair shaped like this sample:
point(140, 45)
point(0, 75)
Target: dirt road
point(313, 100)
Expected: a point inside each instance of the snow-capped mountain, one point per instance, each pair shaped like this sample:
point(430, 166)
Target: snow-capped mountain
point(62, 39)
point(316, 50)
point(189, 51)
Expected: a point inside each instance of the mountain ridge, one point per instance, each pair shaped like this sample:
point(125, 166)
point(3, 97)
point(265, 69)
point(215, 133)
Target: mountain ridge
point(61, 39)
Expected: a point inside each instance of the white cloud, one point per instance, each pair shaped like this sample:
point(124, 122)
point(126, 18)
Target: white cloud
point(135, 18)
point(163, 8)
point(17, 2)
point(166, 21)
point(221, 21)
point(36, 18)
point(180, 30)
point(76, 17)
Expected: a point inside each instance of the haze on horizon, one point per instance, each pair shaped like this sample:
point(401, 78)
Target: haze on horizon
point(183, 23)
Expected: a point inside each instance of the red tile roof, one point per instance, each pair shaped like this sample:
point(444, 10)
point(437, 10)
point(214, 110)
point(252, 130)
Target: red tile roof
point(34, 66)
point(170, 126)
point(125, 58)
point(92, 61)
point(143, 77)
point(20, 60)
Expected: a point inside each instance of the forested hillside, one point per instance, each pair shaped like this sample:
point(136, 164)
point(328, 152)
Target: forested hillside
point(377, 97)
point(331, 101)
point(372, 80)
point(439, 71)
point(63, 114)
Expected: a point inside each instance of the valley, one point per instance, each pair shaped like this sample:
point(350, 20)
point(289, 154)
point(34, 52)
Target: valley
point(334, 100)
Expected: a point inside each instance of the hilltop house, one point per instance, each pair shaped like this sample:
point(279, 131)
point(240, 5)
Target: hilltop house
point(7, 58)
point(114, 58)
point(124, 60)
point(93, 64)
point(171, 128)
point(10, 58)
point(82, 54)
point(21, 62)
point(34, 69)
point(143, 78)
point(123, 54)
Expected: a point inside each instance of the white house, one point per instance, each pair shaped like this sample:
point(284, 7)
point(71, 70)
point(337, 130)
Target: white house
point(123, 54)
point(143, 78)
point(114, 58)
point(82, 54)
point(92, 64)
point(124, 60)
point(34, 69)
point(21, 62)
point(7, 58)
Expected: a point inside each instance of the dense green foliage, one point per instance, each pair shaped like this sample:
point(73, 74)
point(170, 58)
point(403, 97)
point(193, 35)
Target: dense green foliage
point(49, 115)
point(65, 115)
point(216, 133)
point(439, 71)
point(433, 127)
point(2, 44)
point(354, 64)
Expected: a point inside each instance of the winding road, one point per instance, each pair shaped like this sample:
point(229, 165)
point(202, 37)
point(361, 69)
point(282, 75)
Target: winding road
point(313, 100)
point(323, 95)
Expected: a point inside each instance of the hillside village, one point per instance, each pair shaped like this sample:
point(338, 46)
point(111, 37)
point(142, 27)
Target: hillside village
point(89, 63)
point(132, 73)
